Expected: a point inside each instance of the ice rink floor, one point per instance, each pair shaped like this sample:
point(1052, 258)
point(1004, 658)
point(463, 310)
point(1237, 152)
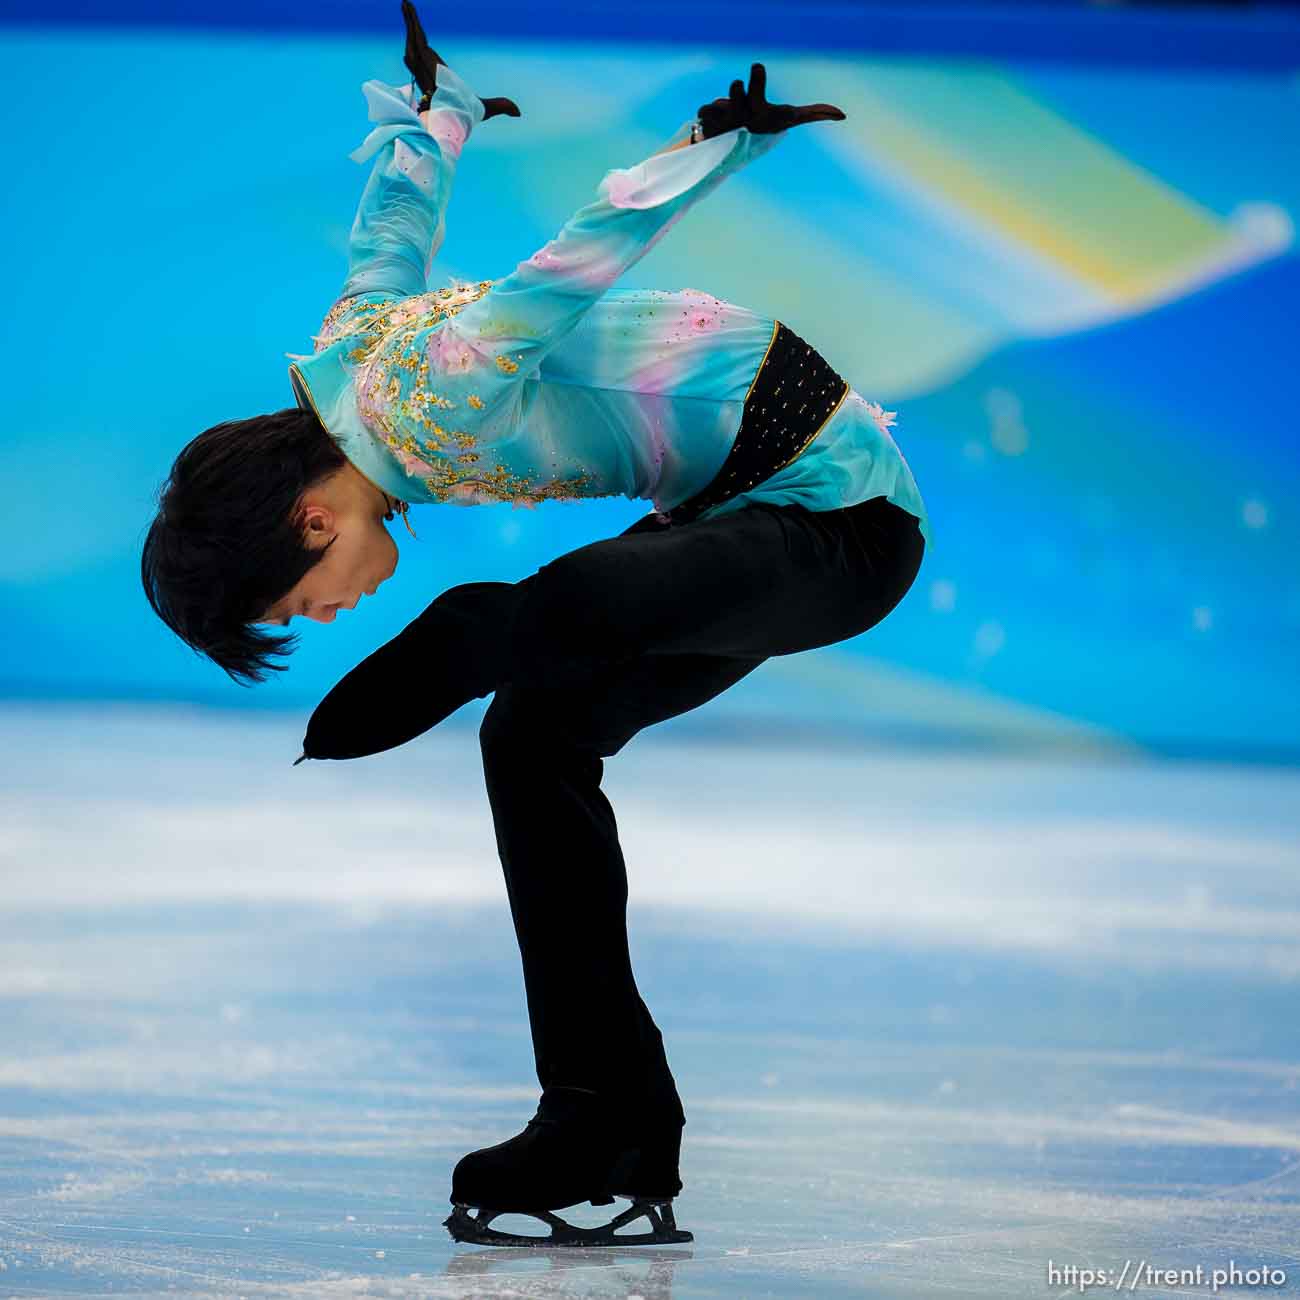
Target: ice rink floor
point(941, 1024)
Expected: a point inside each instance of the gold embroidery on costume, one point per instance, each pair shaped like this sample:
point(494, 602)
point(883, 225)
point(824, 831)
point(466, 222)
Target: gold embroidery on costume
point(387, 360)
point(499, 484)
point(363, 315)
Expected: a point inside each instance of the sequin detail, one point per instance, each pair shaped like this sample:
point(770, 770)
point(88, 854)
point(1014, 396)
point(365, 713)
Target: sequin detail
point(794, 393)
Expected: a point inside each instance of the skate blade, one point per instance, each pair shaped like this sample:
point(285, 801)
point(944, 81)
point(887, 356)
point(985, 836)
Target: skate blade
point(475, 1227)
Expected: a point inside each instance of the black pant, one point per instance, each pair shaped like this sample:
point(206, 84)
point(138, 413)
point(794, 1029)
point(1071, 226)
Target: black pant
point(608, 639)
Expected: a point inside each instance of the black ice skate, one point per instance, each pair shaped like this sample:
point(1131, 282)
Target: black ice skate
point(573, 1150)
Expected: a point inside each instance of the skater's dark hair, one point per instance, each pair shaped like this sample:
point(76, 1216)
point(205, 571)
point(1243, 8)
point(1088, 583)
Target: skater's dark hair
point(227, 541)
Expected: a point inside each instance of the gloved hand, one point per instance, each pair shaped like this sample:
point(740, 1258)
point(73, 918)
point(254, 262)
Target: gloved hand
point(439, 661)
point(750, 109)
point(423, 63)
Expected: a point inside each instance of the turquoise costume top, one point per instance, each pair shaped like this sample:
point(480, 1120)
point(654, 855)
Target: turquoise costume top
point(551, 383)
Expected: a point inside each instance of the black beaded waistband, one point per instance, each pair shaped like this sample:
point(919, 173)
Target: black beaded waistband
point(793, 394)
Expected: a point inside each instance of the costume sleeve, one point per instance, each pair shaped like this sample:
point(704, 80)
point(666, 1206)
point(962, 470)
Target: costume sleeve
point(479, 358)
point(400, 221)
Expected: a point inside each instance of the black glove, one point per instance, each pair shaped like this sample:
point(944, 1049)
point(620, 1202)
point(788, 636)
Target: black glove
point(750, 109)
point(439, 661)
point(423, 64)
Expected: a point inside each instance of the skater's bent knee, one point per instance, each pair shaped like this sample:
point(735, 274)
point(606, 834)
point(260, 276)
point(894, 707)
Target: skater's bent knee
point(501, 721)
point(516, 716)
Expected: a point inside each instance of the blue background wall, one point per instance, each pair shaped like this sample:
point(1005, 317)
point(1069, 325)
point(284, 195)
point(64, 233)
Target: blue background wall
point(1067, 262)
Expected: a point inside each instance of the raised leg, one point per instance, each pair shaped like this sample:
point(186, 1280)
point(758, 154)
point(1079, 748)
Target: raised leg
point(766, 580)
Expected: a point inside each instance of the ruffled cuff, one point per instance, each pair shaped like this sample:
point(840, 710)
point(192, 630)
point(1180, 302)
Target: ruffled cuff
point(453, 112)
point(667, 175)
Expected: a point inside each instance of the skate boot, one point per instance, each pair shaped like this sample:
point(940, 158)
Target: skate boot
point(574, 1149)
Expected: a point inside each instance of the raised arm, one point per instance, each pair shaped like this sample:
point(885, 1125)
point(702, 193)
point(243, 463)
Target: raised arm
point(400, 220)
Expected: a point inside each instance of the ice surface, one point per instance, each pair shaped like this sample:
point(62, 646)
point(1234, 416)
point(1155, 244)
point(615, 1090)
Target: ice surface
point(936, 1021)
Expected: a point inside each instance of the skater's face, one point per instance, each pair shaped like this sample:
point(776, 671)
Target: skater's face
point(344, 516)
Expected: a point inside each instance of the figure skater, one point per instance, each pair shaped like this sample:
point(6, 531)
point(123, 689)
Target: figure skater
point(785, 518)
